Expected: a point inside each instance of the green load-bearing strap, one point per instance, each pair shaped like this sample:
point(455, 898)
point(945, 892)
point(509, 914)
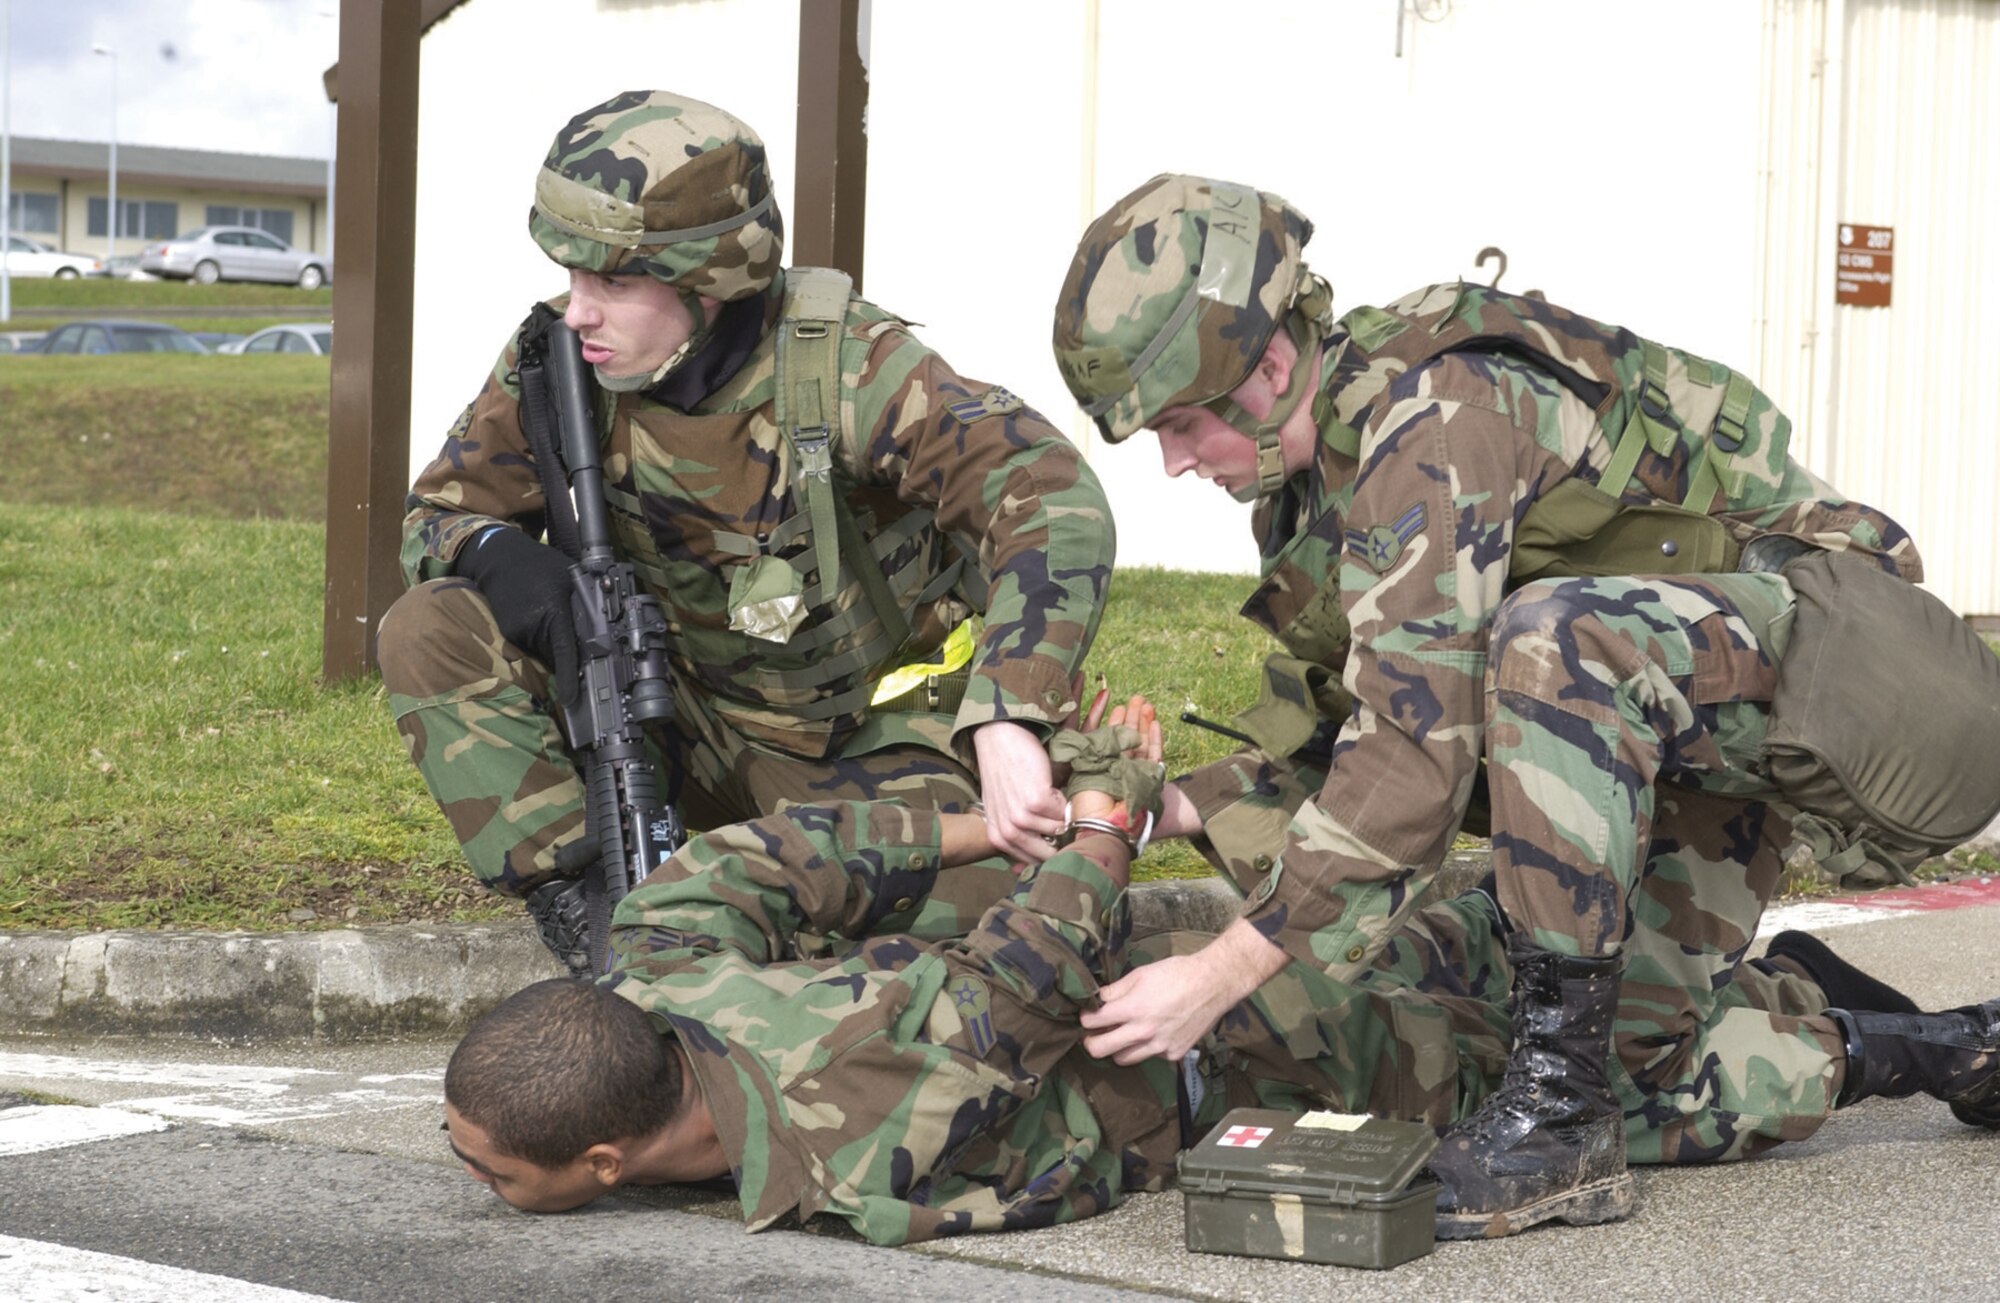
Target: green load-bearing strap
point(1624, 458)
point(807, 396)
point(1712, 460)
point(808, 351)
point(1656, 410)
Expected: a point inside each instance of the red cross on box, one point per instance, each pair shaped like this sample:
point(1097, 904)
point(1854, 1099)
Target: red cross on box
point(1245, 1137)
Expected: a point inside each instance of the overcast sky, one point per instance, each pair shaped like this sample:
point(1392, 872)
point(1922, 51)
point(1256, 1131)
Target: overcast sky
point(238, 75)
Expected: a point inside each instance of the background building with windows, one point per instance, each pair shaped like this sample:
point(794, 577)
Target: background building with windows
point(60, 194)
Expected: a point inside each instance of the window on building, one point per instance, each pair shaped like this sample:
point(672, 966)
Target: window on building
point(138, 219)
point(278, 221)
point(32, 214)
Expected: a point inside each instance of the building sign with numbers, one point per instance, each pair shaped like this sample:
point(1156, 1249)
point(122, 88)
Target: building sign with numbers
point(1866, 265)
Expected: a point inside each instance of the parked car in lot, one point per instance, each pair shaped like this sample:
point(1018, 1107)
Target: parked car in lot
point(119, 337)
point(292, 337)
point(217, 341)
point(209, 254)
point(27, 257)
point(20, 341)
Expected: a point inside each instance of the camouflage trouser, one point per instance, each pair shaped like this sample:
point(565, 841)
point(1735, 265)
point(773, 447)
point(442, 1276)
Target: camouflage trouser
point(473, 710)
point(1623, 719)
point(1422, 1036)
point(1622, 715)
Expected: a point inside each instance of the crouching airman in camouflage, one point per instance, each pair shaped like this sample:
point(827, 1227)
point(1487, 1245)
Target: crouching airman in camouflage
point(1494, 530)
point(919, 1090)
point(818, 502)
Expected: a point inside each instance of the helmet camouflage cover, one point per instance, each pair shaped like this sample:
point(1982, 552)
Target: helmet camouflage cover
point(1172, 296)
point(660, 183)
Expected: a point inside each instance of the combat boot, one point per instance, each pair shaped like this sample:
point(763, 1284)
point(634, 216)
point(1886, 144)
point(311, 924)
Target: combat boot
point(1549, 1143)
point(1952, 1056)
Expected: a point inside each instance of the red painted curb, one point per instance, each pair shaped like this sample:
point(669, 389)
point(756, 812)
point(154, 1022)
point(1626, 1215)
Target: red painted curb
point(1940, 895)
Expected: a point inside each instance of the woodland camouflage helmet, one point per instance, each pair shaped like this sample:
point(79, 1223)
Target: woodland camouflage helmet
point(1172, 296)
point(648, 181)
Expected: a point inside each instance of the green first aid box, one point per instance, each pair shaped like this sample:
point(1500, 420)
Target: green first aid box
point(1318, 1187)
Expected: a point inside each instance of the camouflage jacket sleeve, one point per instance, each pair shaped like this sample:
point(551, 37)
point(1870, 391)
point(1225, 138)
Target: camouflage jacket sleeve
point(916, 1101)
point(1451, 455)
point(483, 475)
point(1021, 504)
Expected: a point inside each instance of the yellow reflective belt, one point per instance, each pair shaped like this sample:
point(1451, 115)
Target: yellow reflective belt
point(957, 651)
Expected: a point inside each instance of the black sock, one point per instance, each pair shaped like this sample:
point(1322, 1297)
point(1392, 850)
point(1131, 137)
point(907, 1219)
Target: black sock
point(1846, 986)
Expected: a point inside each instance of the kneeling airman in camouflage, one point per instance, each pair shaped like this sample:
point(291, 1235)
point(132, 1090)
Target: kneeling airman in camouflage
point(818, 502)
point(1494, 530)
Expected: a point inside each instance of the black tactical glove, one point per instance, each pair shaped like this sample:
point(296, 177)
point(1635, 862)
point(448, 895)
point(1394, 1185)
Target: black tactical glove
point(527, 585)
point(563, 919)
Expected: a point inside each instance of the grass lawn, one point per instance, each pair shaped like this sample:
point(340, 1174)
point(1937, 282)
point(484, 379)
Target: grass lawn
point(104, 296)
point(220, 436)
point(171, 757)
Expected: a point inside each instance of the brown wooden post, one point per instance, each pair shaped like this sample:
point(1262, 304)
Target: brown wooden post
point(831, 189)
point(368, 430)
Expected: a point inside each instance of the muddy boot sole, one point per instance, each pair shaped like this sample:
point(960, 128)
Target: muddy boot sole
point(1607, 1200)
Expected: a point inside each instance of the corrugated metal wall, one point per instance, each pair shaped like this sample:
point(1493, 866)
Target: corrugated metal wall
point(1887, 112)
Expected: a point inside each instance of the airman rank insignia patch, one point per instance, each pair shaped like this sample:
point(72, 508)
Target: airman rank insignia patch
point(973, 1004)
point(1378, 548)
point(994, 402)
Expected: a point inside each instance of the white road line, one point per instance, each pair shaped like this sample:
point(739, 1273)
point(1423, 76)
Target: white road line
point(234, 1077)
point(56, 1273)
point(35, 1127)
point(232, 1095)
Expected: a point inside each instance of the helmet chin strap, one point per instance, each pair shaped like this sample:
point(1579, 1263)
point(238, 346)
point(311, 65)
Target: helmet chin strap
point(1307, 323)
point(1271, 474)
point(646, 380)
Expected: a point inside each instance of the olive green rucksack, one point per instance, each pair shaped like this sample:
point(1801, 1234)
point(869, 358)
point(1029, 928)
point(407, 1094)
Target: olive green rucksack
point(1885, 728)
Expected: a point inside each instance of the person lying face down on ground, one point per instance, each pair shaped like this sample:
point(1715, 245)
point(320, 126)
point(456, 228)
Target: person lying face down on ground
point(916, 1089)
point(768, 1020)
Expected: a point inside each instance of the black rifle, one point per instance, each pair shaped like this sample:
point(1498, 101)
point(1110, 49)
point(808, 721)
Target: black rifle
point(621, 635)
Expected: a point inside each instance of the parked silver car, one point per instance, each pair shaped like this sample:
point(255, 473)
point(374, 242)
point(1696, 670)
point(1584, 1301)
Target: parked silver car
point(209, 254)
point(27, 257)
point(292, 337)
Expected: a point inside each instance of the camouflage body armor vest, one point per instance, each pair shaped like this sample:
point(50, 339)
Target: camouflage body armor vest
point(787, 655)
point(1699, 470)
point(1701, 441)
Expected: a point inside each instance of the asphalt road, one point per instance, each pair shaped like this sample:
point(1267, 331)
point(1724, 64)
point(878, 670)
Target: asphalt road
point(320, 1170)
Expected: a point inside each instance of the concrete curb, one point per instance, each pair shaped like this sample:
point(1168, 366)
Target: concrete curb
point(381, 982)
point(351, 984)
point(362, 983)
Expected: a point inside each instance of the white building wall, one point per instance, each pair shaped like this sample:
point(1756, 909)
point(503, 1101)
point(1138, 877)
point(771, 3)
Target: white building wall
point(1885, 113)
point(1610, 149)
point(497, 79)
point(1606, 148)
